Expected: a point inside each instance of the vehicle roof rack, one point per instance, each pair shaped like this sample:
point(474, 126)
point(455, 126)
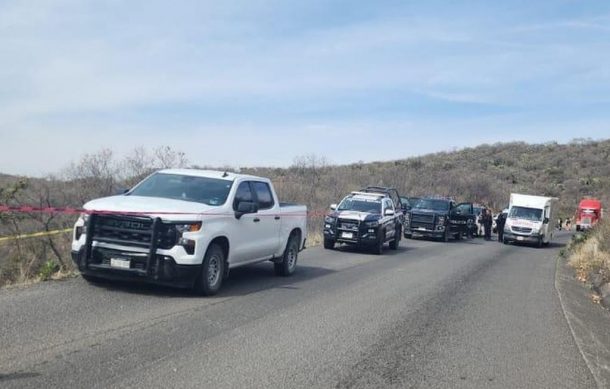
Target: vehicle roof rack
point(372, 188)
point(370, 194)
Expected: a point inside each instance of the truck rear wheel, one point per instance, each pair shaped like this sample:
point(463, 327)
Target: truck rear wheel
point(212, 270)
point(289, 260)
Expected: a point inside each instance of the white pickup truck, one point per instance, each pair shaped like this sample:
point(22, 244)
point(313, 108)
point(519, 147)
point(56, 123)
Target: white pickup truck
point(187, 228)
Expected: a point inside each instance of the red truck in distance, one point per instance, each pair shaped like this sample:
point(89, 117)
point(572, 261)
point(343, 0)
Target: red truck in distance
point(589, 212)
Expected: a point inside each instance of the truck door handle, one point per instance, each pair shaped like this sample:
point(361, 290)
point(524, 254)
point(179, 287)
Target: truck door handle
point(256, 220)
point(277, 218)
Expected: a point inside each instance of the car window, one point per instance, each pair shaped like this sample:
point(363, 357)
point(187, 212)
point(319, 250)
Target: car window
point(360, 205)
point(388, 204)
point(464, 208)
point(263, 194)
point(210, 191)
point(432, 204)
point(244, 193)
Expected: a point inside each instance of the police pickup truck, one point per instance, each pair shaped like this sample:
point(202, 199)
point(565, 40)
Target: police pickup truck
point(187, 228)
point(364, 219)
point(439, 218)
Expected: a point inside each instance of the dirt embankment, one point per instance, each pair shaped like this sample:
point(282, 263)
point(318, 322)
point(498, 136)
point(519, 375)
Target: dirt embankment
point(589, 255)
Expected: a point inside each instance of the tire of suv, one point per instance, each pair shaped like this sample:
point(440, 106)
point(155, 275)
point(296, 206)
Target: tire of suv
point(445, 237)
point(288, 264)
point(91, 279)
point(396, 242)
point(212, 270)
point(329, 244)
point(378, 248)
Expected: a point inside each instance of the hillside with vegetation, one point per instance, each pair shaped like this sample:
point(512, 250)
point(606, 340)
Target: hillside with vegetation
point(486, 174)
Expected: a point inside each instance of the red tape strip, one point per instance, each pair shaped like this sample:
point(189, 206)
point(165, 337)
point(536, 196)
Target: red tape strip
point(76, 211)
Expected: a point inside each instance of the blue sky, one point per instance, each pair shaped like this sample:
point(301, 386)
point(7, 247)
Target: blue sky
point(260, 82)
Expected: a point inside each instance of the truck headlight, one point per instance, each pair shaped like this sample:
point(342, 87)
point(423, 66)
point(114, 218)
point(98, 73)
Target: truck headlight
point(83, 220)
point(440, 220)
point(188, 244)
point(372, 224)
point(329, 220)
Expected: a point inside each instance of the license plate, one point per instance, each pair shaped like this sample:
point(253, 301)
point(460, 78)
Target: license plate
point(347, 235)
point(120, 263)
point(519, 238)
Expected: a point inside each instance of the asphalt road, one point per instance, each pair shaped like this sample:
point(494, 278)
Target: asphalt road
point(464, 314)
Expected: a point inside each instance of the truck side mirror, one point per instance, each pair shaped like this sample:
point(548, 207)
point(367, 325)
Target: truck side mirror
point(333, 207)
point(245, 207)
point(546, 220)
point(389, 212)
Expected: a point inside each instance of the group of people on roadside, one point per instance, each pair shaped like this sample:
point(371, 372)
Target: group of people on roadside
point(560, 224)
point(486, 220)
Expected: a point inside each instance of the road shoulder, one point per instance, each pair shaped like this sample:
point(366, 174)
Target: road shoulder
point(588, 322)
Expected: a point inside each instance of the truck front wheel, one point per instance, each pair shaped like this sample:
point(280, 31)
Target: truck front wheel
point(396, 242)
point(378, 248)
point(289, 260)
point(212, 271)
point(329, 244)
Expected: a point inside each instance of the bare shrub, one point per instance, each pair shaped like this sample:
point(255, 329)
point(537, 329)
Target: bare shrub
point(590, 254)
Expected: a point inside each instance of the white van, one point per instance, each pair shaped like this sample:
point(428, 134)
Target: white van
point(529, 219)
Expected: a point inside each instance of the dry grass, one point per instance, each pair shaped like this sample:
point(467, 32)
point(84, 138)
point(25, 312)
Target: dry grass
point(314, 238)
point(591, 254)
point(32, 260)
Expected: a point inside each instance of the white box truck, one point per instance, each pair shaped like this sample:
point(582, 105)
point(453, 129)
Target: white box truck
point(530, 219)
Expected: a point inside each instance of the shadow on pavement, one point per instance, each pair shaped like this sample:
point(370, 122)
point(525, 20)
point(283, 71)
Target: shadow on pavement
point(352, 249)
point(241, 281)
point(17, 376)
point(476, 241)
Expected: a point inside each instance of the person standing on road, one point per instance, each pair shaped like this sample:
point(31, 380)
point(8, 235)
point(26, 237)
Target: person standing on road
point(500, 222)
point(486, 221)
point(568, 223)
point(560, 224)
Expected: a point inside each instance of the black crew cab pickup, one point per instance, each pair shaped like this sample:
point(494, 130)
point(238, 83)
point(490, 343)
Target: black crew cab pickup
point(439, 218)
point(364, 219)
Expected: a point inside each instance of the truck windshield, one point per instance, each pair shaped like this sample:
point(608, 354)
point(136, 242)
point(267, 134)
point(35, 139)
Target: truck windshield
point(432, 204)
point(360, 205)
point(533, 214)
point(210, 191)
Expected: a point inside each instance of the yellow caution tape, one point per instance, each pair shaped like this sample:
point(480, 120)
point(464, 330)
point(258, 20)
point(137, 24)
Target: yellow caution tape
point(33, 235)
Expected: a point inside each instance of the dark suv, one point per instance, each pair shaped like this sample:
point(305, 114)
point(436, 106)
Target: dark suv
point(439, 218)
point(364, 219)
